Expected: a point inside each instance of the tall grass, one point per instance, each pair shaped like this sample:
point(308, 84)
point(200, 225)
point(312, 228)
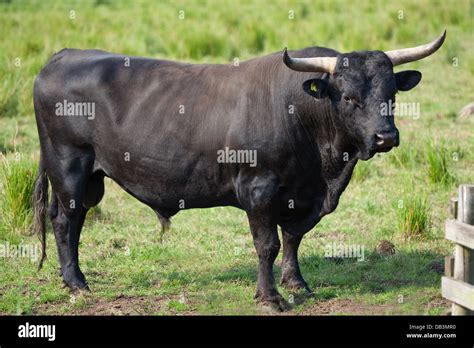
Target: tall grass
point(362, 171)
point(437, 158)
point(405, 156)
point(17, 178)
point(413, 217)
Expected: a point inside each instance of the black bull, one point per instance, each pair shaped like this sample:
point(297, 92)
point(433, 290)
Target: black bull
point(159, 129)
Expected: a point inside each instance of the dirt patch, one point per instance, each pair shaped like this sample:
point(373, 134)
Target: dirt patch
point(353, 307)
point(124, 305)
point(121, 305)
point(349, 307)
point(439, 301)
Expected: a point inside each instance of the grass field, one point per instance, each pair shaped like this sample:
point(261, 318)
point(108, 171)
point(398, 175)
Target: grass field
point(207, 262)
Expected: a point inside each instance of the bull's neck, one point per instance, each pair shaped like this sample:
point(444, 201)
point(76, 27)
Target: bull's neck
point(328, 144)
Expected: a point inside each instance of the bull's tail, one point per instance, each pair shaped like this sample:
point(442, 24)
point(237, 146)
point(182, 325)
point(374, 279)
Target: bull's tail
point(40, 205)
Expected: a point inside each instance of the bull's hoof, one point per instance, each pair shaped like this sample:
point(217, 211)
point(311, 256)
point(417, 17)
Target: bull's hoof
point(77, 285)
point(296, 284)
point(273, 304)
point(83, 288)
point(74, 280)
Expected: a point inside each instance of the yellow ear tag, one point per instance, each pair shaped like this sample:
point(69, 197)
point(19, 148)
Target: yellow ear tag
point(314, 87)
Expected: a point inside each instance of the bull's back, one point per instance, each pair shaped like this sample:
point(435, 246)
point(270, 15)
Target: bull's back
point(156, 124)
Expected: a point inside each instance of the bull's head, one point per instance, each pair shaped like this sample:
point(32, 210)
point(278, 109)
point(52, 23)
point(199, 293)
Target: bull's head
point(359, 84)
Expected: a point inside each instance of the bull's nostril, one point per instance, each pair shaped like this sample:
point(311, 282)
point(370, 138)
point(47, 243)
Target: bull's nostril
point(386, 140)
point(379, 139)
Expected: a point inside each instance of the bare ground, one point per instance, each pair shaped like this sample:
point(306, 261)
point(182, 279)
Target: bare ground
point(122, 305)
point(152, 305)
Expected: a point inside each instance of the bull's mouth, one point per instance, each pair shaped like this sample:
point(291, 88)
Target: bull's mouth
point(379, 145)
point(366, 155)
point(384, 149)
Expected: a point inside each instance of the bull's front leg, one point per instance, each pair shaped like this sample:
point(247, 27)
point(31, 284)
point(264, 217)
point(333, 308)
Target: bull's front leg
point(265, 237)
point(290, 269)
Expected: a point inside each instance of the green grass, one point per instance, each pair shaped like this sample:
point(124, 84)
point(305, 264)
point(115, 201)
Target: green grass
point(17, 178)
point(405, 156)
point(437, 158)
point(208, 255)
point(414, 217)
point(362, 171)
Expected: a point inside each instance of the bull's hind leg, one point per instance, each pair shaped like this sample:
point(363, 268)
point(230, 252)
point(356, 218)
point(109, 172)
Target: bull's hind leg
point(75, 190)
point(67, 225)
point(290, 269)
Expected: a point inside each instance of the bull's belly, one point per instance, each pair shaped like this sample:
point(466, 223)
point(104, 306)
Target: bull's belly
point(170, 188)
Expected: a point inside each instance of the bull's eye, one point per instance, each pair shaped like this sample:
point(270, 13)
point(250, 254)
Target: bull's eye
point(351, 100)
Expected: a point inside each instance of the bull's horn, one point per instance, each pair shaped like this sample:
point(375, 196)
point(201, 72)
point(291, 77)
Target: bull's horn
point(315, 64)
point(407, 55)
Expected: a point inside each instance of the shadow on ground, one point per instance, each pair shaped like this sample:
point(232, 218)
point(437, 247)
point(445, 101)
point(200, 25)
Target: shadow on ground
point(376, 274)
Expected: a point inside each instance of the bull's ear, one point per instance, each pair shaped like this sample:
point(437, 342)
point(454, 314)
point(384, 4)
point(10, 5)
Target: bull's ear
point(315, 87)
point(408, 79)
